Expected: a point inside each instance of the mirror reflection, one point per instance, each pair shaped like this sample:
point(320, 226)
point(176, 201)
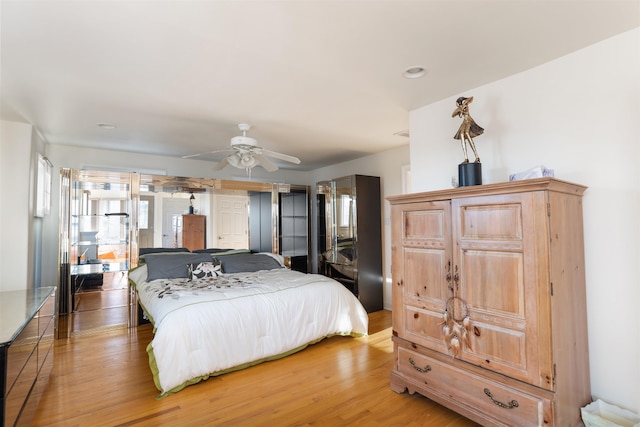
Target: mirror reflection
point(337, 252)
point(349, 235)
point(114, 217)
point(196, 213)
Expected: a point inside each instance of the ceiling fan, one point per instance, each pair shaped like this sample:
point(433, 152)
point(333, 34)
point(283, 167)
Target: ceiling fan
point(245, 154)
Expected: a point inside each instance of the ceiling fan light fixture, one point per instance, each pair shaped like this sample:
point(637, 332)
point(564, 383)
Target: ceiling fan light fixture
point(247, 160)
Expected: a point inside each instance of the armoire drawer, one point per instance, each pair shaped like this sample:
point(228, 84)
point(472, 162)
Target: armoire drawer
point(504, 404)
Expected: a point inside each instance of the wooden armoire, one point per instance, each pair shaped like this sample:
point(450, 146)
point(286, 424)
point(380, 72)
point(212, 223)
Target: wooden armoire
point(194, 228)
point(489, 304)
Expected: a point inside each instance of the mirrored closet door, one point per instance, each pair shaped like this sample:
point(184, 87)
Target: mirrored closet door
point(107, 218)
point(97, 239)
point(350, 235)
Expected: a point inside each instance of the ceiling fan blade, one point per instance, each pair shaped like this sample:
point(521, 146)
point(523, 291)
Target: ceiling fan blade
point(245, 154)
point(221, 164)
point(281, 156)
point(194, 155)
point(208, 152)
point(265, 163)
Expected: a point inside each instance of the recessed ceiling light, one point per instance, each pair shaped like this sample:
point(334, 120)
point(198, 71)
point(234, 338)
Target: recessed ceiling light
point(106, 126)
point(414, 72)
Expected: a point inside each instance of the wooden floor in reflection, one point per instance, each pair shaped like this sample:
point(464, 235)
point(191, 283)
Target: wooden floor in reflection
point(103, 307)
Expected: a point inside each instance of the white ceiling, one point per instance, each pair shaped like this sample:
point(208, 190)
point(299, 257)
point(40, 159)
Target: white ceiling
point(320, 80)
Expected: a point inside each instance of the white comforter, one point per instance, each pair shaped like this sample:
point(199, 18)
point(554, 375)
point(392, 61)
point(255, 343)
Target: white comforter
point(210, 326)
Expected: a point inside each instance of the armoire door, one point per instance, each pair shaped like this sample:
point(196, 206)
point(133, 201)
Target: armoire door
point(500, 254)
point(423, 264)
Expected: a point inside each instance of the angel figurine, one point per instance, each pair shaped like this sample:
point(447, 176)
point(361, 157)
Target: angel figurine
point(468, 129)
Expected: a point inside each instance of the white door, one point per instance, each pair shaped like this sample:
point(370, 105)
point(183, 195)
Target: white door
point(145, 222)
point(172, 210)
point(232, 222)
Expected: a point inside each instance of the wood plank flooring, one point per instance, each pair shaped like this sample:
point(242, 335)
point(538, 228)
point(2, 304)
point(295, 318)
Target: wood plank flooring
point(103, 307)
point(105, 380)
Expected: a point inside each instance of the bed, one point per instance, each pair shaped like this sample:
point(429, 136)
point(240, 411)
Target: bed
point(214, 313)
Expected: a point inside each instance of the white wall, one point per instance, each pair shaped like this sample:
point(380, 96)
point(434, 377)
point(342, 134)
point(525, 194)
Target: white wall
point(15, 158)
point(579, 115)
point(22, 234)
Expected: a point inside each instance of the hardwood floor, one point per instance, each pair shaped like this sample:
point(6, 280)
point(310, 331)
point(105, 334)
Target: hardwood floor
point(105, 380)
point(103, 307)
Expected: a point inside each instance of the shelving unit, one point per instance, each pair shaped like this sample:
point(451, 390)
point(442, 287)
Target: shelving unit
point(99, 244)
point(282, 220)
point(100, 239)
point(294, 227)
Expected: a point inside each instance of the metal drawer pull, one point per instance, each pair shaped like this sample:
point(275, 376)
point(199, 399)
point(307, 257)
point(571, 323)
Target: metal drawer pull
point(419, 369)
point(510, 405)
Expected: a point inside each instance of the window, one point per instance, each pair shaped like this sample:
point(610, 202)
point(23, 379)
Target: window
point(43, 187)
point(345, 210)
point(143, 215)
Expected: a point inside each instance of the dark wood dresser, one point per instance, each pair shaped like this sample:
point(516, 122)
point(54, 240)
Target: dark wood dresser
point(27, 324)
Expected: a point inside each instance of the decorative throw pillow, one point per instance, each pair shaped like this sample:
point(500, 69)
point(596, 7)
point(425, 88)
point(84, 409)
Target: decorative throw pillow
point(204, 269)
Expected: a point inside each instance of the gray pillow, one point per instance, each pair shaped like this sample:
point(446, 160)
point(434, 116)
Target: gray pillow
point(172, 265)
point(146, 251)
point(246, 263)
point(211, 250)
point(222, 252)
